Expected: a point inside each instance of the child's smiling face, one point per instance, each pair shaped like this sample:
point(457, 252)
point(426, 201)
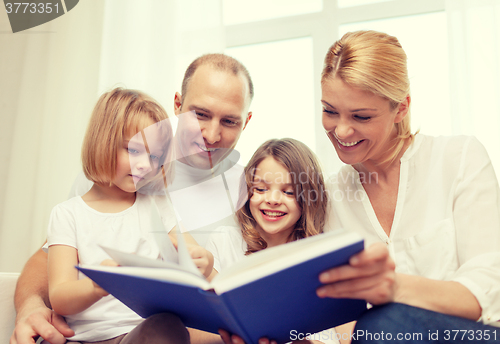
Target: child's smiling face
point(273, 204)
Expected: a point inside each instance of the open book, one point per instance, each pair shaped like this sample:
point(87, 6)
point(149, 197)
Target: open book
point(267, 294)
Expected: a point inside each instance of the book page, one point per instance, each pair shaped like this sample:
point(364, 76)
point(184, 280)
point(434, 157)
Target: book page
point(129, 259)
point(168, 275)
point(167, 248)
point(173, 259)
point(185, 260)
point(274, 259)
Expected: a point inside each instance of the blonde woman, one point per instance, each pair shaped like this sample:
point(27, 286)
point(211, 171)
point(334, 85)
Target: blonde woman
point(432, 201)
point(428, 208)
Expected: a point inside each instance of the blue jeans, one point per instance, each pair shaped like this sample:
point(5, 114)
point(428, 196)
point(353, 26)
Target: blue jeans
point(399, 323)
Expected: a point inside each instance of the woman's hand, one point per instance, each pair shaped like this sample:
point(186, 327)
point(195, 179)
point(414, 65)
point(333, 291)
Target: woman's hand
point(369, 276)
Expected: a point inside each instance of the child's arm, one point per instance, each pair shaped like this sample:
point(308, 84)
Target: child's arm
point(69, 295)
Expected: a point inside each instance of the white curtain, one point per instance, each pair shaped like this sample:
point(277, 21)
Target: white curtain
point(48, 84)
point(474, 43)
point(50, 79)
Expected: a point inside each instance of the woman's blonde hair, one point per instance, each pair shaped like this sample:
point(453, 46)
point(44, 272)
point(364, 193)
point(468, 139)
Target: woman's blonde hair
point(375, 62)
point(117, 114)
point(308, 184)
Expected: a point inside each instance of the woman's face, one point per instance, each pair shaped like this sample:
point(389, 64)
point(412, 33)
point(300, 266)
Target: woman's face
point(359, 123)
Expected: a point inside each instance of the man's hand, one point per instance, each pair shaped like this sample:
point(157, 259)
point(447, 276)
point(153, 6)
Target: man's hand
point(369, 276)
point(38, 320)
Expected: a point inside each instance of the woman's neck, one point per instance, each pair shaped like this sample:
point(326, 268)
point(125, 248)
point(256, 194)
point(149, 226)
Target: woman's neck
point(108, 199)
point(382, 170)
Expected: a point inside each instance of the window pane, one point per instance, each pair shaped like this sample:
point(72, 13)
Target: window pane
point(352, 3)
point(241, 11)
point(424, 39)
point(283, 105)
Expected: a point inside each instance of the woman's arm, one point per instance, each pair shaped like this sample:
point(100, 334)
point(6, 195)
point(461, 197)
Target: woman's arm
point(69, 295)
point(370, 276)
point(447, 297)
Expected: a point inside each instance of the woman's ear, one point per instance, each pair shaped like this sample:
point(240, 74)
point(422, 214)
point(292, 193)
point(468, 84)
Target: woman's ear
point(403, 109)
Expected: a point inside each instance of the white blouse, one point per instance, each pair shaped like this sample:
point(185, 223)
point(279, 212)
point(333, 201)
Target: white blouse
point(447, 220)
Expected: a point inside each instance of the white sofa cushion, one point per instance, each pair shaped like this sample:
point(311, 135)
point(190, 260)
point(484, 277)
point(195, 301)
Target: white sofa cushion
point(7, 311)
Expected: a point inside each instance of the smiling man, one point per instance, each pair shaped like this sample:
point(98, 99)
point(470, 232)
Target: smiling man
point(219, 90)
point(213, 111)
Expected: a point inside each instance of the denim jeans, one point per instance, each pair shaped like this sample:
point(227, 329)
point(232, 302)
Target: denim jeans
point(400, 323)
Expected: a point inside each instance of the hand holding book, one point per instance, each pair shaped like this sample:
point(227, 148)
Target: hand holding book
point(370, 275)
point(267, 294)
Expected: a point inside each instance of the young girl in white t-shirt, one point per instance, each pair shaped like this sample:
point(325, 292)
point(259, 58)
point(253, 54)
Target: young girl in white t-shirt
point(126, 148)
point(285, 201)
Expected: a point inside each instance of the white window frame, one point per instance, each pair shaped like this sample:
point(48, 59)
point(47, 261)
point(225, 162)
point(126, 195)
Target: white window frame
point(323, 28)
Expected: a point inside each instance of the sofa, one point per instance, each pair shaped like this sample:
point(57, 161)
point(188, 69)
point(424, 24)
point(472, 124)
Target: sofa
point(8, 282)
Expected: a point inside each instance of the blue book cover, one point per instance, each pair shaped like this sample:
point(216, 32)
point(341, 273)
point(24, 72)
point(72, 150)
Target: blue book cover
point(271, 293)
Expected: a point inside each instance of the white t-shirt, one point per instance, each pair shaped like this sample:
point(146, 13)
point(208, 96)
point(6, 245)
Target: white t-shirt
point(207, 199)
point(73, 223)
point(447, 220)
point(228, 247)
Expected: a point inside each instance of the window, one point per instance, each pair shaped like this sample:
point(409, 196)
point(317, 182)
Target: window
point(283, 105)
point(283, 44)
point(427, 51)
point(242, 11)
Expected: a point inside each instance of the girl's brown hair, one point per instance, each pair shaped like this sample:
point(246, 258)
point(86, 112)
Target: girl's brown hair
point(309, 188)
point(376, 62)
point(117, 114)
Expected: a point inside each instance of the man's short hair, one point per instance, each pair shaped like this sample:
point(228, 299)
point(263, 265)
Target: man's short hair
point(220, 62)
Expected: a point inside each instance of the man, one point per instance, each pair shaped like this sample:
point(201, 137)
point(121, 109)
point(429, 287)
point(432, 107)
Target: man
point(219, 90)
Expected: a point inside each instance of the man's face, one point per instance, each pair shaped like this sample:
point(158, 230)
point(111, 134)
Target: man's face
point(220, 101)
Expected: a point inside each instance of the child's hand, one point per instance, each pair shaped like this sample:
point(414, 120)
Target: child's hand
point(203, 259)
point(97, 289)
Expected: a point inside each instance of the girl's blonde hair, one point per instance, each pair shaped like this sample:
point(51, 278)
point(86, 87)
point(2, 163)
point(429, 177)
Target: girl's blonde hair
point(376, 62)
point(308, 184)
point(117, 114)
